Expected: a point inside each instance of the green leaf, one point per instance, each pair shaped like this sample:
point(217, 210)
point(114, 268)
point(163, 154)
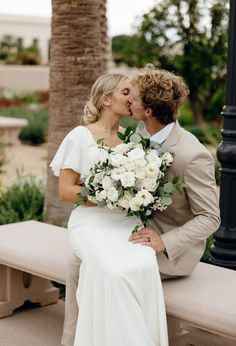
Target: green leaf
point(101, 204)
point(120, 135)
point(168, 187)
point(167, 200)
point(160, 191)
point(175, 179)
point(84, 191)
point(128, 131)
point(135, 230)
point(135, 138)
point(80, 201)
point(100, 140)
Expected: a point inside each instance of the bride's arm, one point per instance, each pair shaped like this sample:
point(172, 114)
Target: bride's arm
point(68, 186)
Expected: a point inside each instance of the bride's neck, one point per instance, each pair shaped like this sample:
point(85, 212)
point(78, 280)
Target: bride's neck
point(107, 123)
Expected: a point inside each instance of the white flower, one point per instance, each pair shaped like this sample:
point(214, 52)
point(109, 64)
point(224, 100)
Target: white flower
point(116, 173)
point(100, 196)
point(124, 201)
point(106, 182)
point(153, 157)
point(130, 164)
point(168, 158)
point(104, 155)
point(112, 194)
point(151, 170)
point(123, 148)
point(144, 197)
point(117, 160)
point(136, 154)
point(127, 179)
point(150, 184)
point(135, 204)
point(140, 163)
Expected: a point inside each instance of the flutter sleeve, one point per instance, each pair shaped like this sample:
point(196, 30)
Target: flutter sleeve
point(70, 153)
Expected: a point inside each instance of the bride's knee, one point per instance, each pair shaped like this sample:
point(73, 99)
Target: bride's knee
point(119, 271)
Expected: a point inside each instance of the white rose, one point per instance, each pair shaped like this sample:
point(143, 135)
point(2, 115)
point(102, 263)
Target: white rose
point(124, 201)
point(152, 156)
point(117, 160)
point(151, 170)
point(135, 204)
point(150, 184)
point(144, 197)
point(136, 154)
point(127, 179)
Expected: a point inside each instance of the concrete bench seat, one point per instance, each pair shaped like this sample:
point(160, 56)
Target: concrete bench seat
point(205, 299)
point(31, 254)
point(10, 129)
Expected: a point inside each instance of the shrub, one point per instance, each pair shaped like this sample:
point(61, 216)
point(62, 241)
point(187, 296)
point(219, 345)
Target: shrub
point(36, 131)
point(206, 255)
point(206, 134)
point(22, 201)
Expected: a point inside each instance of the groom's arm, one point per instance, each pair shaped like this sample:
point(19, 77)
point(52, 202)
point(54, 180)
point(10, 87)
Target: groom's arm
point(203, 201)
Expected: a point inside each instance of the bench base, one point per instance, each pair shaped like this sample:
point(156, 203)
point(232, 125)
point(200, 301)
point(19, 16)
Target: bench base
point(16, 287)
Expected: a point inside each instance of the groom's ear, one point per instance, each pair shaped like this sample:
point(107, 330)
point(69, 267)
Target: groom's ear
point(148, 112)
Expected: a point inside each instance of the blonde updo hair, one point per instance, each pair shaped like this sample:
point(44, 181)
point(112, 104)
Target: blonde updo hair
point(162, 91)
point(104, 85)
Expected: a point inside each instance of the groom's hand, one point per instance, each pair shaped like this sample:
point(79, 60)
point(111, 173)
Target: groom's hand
point(148, 237)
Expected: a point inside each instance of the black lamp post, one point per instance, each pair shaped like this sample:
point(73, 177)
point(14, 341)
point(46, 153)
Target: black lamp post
point(223, 250)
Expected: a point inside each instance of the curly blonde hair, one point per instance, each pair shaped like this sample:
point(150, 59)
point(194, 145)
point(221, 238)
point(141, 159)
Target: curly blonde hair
point(104, 85)
point(162, 91)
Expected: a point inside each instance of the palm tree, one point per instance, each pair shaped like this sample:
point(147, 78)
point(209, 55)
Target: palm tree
point(78, 56)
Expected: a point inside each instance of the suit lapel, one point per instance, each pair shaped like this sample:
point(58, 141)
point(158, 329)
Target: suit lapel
point(172, 139)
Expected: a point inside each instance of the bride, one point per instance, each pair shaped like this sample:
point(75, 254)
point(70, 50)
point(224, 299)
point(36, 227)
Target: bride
point(119, 294)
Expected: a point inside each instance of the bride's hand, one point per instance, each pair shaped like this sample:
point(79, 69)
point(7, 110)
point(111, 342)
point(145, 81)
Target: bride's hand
point(148, 237)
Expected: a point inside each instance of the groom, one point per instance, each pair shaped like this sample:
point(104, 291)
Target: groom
point(177, 234)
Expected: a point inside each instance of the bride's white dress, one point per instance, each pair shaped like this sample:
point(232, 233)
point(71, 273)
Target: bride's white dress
point(119, 294)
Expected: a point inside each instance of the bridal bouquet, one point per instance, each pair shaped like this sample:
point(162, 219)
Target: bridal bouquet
point(131, 176)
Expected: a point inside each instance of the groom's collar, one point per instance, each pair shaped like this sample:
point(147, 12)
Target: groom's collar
point(163, 134)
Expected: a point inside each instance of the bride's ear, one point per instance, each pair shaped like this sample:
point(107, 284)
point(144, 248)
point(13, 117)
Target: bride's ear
point(105, 100)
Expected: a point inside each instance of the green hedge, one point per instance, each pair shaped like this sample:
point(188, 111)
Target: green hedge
point(22, 201)
point(36, 132)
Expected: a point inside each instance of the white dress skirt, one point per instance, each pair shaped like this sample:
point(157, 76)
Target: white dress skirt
point(119, 294)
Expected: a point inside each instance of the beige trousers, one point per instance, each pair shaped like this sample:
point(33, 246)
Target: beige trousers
point(71, 308)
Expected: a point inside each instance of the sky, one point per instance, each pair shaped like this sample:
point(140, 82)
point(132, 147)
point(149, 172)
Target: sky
point(121, 14)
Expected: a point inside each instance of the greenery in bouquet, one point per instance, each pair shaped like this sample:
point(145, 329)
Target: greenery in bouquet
point(131, 176)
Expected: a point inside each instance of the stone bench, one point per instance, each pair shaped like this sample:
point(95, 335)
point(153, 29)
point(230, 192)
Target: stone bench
point(31, 253)
point(10, 129)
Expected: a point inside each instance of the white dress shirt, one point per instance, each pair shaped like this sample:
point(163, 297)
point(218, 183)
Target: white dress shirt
point(162, 135)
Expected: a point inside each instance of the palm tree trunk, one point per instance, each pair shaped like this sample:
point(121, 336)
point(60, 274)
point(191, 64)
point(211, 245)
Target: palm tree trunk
point(78, 57)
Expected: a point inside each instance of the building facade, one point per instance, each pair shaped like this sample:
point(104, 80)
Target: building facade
point(28, 31)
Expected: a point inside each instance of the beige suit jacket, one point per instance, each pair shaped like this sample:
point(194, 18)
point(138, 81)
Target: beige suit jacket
point(192, 217)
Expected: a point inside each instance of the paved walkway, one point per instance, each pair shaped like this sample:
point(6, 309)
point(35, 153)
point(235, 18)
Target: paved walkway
point(43, 327)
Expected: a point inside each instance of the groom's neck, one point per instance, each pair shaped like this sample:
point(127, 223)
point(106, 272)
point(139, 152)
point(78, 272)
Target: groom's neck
point(153, 126)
